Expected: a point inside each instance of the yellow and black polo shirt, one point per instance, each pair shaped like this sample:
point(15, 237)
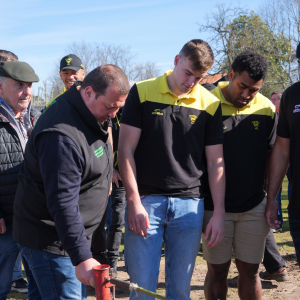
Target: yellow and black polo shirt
point(62, 91)
point(248, 133)
point(170, 157)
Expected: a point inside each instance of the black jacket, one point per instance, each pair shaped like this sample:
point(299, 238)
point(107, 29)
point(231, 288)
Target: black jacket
point(34, 225)
point(12, 147)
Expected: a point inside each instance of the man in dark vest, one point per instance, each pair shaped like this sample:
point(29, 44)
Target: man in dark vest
point(16, 118)
point(64, 184)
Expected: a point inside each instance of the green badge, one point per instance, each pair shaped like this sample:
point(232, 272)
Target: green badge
point(99, 152)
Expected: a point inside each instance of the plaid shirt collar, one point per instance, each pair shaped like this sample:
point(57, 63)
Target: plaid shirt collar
point(25, 125)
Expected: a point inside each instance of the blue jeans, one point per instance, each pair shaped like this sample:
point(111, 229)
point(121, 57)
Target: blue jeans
point(177, 221)
point(52, 276)
point(294, 221)
point(8, 254)
point(17, 272)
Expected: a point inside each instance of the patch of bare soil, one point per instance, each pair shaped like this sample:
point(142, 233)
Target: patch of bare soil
point(271, 289)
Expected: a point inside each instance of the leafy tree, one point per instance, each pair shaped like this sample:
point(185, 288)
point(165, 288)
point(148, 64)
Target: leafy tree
point(235, 33)
point(253, 34)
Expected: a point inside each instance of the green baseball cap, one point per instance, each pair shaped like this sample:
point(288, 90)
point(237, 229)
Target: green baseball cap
point(18, 70)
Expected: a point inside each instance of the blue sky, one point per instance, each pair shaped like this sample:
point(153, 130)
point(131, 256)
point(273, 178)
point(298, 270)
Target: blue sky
point(39, 31)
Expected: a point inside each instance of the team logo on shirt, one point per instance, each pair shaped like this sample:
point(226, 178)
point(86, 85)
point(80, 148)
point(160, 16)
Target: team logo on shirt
point(255, 123)
point(157, 112)
point(297, 108)
point(68, 61)
point(193, 119)
point(99, 152)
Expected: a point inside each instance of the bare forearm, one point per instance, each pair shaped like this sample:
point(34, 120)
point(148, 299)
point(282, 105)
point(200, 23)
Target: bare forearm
point(267, 170)
point(216, 177)
point(138, 220)
point(278, 166)
point(128, 173)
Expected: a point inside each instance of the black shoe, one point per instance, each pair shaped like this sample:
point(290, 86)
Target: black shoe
point(20, 286)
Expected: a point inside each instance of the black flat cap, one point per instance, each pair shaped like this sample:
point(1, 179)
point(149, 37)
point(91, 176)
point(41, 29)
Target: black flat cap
point(18, 70)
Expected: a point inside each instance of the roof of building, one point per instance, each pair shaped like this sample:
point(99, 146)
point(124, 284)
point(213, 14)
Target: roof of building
point(213, 78)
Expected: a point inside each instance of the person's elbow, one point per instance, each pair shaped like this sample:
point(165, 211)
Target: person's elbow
point(282, 146)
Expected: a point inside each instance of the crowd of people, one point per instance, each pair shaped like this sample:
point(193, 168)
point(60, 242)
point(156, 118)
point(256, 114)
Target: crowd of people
point(174, 161)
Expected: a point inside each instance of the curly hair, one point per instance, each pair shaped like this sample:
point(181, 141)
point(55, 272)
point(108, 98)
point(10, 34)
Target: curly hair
point(254, 63)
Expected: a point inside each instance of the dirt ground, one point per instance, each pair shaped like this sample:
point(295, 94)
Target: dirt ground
point(271, 289)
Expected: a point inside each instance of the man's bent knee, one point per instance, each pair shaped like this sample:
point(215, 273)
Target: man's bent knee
point(247, 269)
point(218, 270)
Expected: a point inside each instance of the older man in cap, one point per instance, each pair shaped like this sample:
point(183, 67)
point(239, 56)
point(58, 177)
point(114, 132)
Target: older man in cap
point(71, 70)
point(16, 120)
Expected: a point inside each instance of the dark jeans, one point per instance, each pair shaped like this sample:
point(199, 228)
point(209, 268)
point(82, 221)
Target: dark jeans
point(278, 197)
point(108, 215)
point(117, 222)
point(278, 200)
point(272, 258)
point(289, 186)
point(294, 220)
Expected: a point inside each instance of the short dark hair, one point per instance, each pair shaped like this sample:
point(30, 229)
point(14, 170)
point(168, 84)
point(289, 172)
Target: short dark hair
point(199, 53)
point(102, 77)
point(7, 55)
point(254, 63)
